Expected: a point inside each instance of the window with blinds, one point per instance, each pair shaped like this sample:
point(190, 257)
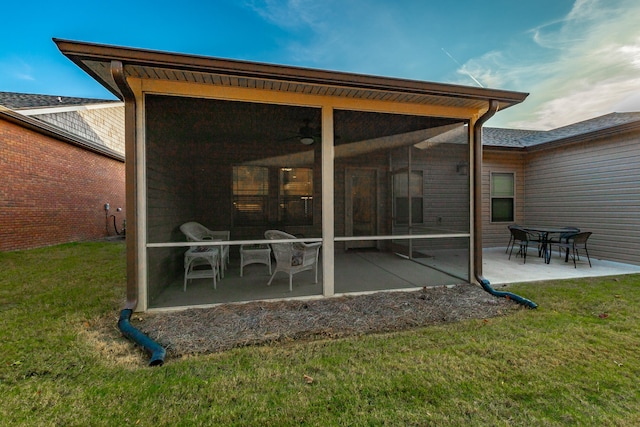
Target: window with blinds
point(296, 196)
point(250, 195)
point(502, 197)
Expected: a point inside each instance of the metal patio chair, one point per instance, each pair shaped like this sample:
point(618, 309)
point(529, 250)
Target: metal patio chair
point(521, 238)
point(573, 244)
point(510, 227)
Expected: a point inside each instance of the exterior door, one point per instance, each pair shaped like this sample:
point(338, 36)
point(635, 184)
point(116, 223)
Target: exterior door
point(361, 206)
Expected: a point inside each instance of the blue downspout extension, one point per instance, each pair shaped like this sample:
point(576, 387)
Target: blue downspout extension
point(156, 350)
point(508, 295)
point(477, 200)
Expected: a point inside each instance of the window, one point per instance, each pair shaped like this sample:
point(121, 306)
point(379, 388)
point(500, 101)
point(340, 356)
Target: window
point(401, 189)
point(295, 196)
point(502, 197)
point(257, 188)
point(250, 195)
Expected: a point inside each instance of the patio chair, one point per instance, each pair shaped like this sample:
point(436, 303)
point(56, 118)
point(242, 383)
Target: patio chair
point(510, 244)
point(573, 243)
point(294, 257)
point(520, 237)
point(196, 232)
point(563, 237)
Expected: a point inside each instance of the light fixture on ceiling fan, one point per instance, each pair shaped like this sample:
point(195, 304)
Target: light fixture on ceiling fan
point(306, 133)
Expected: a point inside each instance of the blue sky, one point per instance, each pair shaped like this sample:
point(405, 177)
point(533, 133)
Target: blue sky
point(578, 59)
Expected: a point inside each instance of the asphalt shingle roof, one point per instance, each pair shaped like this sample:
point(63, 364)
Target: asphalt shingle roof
point(19, 101)
point(505, 137)
point(499, 137)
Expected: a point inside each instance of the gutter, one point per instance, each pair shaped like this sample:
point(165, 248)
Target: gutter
point(477, 210)
point(157, 352)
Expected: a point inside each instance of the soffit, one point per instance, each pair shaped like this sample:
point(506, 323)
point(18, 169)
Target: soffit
point(153, 65)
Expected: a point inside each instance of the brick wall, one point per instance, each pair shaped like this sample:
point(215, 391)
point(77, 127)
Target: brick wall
point(53, 192)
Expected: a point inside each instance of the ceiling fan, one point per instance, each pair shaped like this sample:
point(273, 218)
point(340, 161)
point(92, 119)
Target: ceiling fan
point(307, 134)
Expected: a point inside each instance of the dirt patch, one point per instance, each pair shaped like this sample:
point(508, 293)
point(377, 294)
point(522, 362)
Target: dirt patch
point(208, 330)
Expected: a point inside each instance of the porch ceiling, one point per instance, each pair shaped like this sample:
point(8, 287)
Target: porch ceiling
point(96, 59)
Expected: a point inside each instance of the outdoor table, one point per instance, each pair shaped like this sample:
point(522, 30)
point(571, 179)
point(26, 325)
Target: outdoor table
point(544, 232)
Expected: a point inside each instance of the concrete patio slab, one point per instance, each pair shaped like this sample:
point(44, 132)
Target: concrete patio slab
point(499, 269)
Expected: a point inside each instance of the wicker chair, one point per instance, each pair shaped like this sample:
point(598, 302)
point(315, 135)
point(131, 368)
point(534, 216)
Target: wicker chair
point(294, 257)
point(197, 232)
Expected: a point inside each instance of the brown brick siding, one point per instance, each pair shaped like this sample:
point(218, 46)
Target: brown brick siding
point(53, 192)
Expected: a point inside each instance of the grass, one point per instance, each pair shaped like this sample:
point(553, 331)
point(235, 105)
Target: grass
point(573, 361)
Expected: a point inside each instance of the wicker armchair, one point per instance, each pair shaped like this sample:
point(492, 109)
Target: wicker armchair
point(294, 257)
point(197, 232)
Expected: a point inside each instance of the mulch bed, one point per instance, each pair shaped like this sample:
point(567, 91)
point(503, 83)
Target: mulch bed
point(219, 328)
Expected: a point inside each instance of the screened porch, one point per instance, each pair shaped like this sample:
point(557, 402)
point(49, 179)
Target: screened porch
point(399, 196)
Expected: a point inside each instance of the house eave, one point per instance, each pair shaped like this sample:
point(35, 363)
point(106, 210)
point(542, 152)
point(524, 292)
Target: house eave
point(94, 58)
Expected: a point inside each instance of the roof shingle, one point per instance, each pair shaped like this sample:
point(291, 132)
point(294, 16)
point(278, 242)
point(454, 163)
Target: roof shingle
point(499, 137)
point(18, 101)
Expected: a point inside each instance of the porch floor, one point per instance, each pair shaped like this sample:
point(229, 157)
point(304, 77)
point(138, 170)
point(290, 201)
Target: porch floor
point(355, 271)
point(369, 271)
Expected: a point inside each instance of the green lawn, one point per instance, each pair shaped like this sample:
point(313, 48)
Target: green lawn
point(573, 361)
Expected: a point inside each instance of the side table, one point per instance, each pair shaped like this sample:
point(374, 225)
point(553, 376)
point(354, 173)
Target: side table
point(255, 254)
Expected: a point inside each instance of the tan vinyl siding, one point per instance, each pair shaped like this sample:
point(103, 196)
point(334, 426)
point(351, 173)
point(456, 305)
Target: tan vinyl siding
point(497, 234)
point(594, 186)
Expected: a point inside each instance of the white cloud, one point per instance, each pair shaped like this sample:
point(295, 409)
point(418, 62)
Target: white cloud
point(590, 67)
point(581, 65)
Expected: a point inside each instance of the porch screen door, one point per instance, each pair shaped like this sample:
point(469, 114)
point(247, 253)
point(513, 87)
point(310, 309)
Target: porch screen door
point(361, 216)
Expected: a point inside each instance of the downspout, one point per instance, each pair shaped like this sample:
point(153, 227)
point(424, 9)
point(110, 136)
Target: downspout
point(157, 351)
point(477, 210)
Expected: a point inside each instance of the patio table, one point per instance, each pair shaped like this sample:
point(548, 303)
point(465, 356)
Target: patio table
point(544, 232)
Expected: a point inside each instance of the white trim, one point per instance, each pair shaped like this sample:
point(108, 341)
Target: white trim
point(308, 240)
point(67, 108)
point(230, 243)
point(403, 237)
